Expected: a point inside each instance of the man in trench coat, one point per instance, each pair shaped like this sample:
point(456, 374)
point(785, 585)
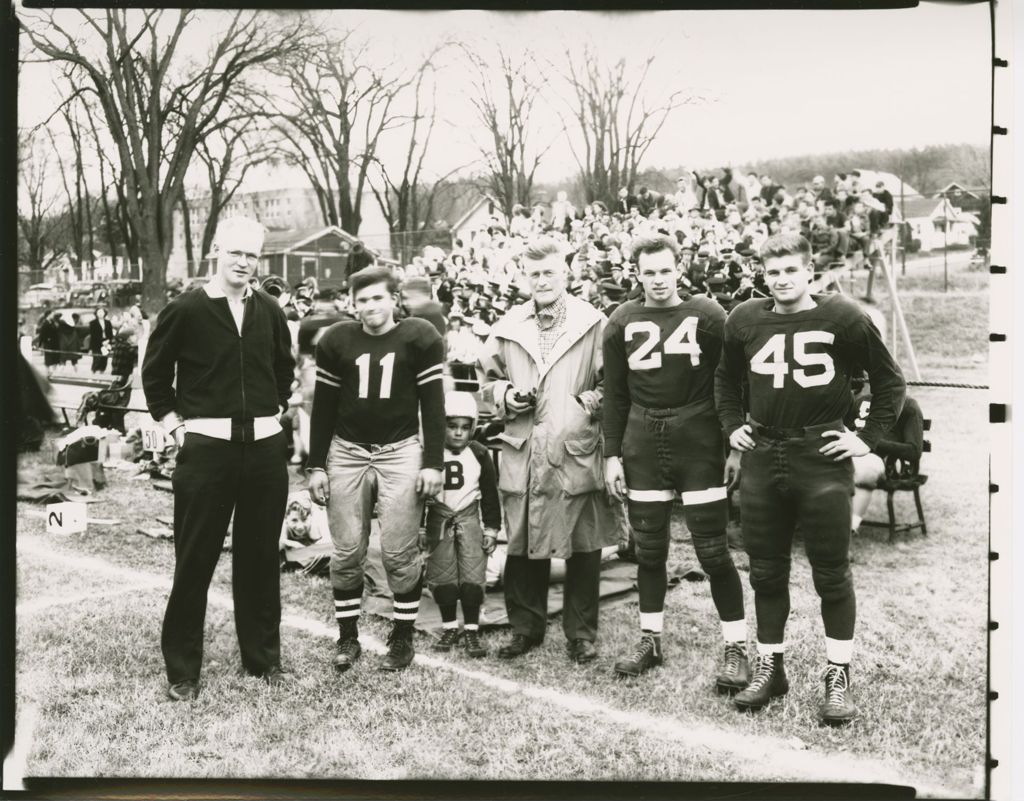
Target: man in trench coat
point(542, 374)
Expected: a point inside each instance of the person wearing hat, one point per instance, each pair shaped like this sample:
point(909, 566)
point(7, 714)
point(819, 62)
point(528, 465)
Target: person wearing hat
point(542, 375)
point(456, 546)
point(418, 301)
point(611, 296)
point(462, 349)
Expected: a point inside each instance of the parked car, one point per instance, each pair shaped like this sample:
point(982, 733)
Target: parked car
point(40, 294)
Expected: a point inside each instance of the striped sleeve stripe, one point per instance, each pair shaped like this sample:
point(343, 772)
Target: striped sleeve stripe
point(435, 377)
point(698, 497)
point(438, 368)
point(327, 378)
point(327, 374)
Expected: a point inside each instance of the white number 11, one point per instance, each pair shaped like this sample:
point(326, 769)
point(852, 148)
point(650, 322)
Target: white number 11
point(387, 364)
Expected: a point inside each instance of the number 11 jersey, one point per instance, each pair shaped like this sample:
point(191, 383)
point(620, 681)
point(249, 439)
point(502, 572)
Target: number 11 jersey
point(370, 389)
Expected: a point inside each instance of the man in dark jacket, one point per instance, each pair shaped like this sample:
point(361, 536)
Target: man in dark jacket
point(217, 375)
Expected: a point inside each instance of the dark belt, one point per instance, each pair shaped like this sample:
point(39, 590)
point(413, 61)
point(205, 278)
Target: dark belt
point(772, 432)
point(778, 433)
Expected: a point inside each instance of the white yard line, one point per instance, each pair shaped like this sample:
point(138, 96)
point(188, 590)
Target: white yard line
point(48, 601)
point(781, 761)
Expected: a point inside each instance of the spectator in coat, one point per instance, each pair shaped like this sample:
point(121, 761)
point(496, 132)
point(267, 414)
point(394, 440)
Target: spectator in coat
point(542, 367)
point(101, 333)
point(734, 190)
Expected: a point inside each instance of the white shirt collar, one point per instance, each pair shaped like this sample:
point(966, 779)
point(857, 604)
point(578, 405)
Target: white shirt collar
point(213, 290)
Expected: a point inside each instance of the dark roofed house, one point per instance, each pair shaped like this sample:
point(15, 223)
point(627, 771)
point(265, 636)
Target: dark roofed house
point(324, 253)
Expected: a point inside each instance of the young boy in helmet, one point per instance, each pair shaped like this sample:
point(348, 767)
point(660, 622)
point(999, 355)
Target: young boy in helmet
point(457, 547)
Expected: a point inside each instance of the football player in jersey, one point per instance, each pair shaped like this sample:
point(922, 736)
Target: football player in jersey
point(375, 380)
point(457, 547)
point(796, 353)
point(662, 439)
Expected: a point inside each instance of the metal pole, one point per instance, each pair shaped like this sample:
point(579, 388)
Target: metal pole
point(890, 274)
point(903, 218)
point(901, 321)
point(945, 245)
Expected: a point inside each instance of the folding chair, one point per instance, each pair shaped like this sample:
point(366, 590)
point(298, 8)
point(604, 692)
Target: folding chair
point(903, 476)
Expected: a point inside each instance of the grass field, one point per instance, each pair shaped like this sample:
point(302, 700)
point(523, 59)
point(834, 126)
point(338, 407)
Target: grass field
point(90, 675)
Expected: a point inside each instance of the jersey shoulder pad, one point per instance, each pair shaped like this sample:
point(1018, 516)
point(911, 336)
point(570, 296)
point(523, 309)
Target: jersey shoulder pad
point(625, 311)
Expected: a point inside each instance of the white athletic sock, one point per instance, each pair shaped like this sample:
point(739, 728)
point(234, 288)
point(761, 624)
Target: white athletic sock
point(838, 651)
point(855, 522)
point(472, 626)
point(450, 624)
point(734, 630)
point(652, 621)
point(769, 648)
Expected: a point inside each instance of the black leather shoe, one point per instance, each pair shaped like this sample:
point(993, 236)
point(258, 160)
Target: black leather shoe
point(769, 682)
point(183, 691)
point(582, 651)
point(275, 676)
point(839, 708)
point(518, 646)
point(400, 649)
point(645, 656)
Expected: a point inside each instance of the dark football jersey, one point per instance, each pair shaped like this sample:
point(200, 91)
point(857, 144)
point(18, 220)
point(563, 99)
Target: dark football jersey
point(370, 389)
point(798, 366)
point(658, 358)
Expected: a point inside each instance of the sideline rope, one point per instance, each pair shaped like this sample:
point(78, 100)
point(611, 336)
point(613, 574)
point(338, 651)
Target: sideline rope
point(945, 384)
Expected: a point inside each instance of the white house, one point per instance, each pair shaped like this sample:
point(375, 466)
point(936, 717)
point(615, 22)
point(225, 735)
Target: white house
point(477, 218)
point(937, 223)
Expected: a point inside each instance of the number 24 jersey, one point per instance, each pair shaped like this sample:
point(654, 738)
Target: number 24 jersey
point(658, 358)
point(798, 366)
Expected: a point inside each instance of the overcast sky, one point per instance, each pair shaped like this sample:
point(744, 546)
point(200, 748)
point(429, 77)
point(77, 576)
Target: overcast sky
point(777, 83)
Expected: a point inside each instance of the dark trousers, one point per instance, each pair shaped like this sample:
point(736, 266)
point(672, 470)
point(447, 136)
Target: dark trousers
point(211, 478)
point(526, 595)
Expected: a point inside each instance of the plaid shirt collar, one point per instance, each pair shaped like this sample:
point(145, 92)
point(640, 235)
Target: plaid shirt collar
point(550, 316)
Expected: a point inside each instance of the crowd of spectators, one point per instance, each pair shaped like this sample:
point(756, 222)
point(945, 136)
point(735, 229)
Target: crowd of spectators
point(719, 219)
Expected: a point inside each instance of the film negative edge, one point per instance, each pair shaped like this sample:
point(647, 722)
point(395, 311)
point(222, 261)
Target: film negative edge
point(997, 412)
point(997, 337)
point(998, 130)
point(997, 269)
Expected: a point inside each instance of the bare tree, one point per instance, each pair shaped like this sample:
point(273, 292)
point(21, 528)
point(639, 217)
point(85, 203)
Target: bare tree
point(227, 154)
point(407, 199)
point(340, 107)
point(158, 103)
point(40, 224)
point(614, 122)
point(505, 108)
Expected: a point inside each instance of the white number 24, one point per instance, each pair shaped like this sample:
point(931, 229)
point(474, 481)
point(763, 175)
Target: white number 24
point(682, 340)
point(771, 359)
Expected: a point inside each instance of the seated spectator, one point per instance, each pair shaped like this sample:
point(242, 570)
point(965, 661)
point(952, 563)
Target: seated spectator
point(904, 442)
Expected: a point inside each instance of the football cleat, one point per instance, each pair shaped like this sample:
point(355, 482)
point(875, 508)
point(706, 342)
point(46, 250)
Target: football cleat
point(646, 655)
point(838, 709)
point(769, 682)
point(735, 673)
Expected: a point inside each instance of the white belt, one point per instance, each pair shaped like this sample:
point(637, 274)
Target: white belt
point(220, 427)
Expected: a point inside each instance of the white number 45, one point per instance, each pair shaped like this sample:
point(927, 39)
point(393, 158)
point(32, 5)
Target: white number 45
point(682, 340)
point(771, 359)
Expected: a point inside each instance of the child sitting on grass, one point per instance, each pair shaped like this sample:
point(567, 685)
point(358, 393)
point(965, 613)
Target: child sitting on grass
point(457, 548)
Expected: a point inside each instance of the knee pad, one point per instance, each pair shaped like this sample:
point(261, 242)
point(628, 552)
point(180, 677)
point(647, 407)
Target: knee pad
point(471, 594)
point(832, 582)
point(713, 552)
point(650, 523)
point(707, 517)
point(769, 576)
point(445, 594)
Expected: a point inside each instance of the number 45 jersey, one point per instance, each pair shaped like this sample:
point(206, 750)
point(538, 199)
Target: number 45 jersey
point(798, 366)
point(371, 389)
point(659, 358)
